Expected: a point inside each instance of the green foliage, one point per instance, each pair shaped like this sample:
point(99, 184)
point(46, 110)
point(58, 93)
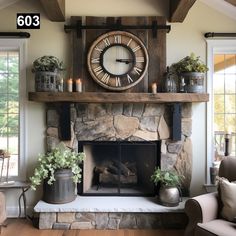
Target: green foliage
point(166, 178)
point(47, 63)
point(59, 158)
point(190, 63)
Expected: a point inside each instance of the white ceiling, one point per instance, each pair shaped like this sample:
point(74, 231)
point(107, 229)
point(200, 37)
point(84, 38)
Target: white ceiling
point(222, 6)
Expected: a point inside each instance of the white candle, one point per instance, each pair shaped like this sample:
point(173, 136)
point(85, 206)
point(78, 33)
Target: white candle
point(78, 85)
point(69, 85)
point(154, 87)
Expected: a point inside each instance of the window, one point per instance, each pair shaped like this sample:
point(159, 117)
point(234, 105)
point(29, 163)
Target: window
point(12, 93)
point(222, 89)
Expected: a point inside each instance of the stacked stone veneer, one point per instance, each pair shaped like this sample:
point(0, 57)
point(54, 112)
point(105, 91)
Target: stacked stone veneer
point(106, 220)
point(134, 122)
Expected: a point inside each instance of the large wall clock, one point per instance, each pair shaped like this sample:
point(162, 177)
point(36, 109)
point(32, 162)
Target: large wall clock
point(117, 60)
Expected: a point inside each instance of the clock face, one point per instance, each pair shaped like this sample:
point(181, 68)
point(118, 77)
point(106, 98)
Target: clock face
point(117, 60)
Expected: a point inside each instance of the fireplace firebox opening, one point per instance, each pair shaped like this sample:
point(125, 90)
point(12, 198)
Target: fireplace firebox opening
point(118, 168)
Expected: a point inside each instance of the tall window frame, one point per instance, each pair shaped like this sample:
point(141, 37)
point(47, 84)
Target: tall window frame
point(214, 46)
point(20, 45)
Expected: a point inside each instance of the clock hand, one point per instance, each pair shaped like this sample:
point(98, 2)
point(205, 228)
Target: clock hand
point(126, 61)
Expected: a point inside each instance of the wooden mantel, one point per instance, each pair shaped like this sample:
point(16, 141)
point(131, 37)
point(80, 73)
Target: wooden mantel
point(99, 97)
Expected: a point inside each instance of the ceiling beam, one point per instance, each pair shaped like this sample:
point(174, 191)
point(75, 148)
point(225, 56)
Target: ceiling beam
point(233, 2)
point(55, 9)
point(179, 9)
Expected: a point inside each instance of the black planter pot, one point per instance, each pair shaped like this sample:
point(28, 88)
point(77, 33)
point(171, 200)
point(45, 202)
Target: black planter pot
point(62, 190)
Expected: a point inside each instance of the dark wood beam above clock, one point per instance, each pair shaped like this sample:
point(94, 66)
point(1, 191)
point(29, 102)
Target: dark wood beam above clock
point(179, 9)
point(233, 2)
point(55, 9)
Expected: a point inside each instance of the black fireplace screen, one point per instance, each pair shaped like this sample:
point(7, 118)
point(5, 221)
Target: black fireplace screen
point(118, 168)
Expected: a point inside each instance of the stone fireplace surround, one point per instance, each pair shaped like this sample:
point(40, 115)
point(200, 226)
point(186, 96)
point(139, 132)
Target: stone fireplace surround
point(124, 121)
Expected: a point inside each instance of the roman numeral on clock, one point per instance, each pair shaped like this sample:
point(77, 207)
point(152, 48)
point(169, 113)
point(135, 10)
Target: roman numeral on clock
point(118, 83)
point(95, 60)
point(130, 80)
point(98, 70)
point(139, 59)
point(135, 49)
point(129, 42)
point(137, 70)
point(107, 42)
point(117, 38)
point(98, 49)
point(105, 78)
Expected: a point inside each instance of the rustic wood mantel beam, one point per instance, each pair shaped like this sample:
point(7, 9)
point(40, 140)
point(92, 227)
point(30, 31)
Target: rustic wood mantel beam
point(233, 2)
point(55, 9)
point(179, 9)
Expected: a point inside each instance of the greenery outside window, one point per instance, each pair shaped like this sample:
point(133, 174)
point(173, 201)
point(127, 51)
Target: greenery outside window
point(12, 110)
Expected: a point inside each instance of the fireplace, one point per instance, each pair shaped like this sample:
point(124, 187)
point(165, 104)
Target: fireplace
point(118, 168)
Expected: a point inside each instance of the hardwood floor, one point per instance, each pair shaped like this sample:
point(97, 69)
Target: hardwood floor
point(19, 227)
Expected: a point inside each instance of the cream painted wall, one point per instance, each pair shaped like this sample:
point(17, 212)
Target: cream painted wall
point(51, 39)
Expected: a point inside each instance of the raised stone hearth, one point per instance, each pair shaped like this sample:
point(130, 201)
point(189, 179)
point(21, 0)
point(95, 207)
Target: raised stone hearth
point(110, 213)
point(131, 122)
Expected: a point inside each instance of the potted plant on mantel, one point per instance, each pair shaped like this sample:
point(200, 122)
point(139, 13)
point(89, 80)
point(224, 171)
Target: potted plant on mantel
point(59, 170)
point(190, 70)
point(47, 71)
point(169, 192)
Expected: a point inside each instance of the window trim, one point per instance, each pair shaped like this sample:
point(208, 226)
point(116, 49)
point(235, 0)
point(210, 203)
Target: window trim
point(21, 46)
point(214, 46)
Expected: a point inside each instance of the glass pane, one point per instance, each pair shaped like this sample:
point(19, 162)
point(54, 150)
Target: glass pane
point(3, 104)
point(3, 83)
point(219, 123)
point(13, 144)
point(218, 83)
point(219, 63)
point(12, 123)
point(230, 63)
point(3, 62)
point(230, 123)
point(230, 103)
point(3, 142)
point(13, 63)
point(219, 104)
point(230, 83)
point(13, 103)
point(3, 124)
point(13, 83)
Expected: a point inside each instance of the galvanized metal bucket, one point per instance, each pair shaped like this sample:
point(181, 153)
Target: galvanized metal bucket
point(62, 190)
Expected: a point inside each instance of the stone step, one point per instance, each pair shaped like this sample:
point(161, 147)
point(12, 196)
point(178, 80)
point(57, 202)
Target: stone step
point(110, 213)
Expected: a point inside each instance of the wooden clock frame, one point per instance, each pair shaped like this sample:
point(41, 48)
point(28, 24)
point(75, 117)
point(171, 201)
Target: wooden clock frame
point(156, 47)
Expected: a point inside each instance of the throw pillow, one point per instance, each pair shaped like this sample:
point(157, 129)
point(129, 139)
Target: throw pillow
point(227, 193)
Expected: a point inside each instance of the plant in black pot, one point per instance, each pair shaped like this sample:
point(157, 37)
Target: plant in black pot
point(190, 70)
point(169, 192)
point(48, 74)
point(59, 170)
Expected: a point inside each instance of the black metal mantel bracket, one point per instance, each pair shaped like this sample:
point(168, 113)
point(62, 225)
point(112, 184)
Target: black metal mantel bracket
point(64, 121)
point(176, 121)
point(117, 26)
